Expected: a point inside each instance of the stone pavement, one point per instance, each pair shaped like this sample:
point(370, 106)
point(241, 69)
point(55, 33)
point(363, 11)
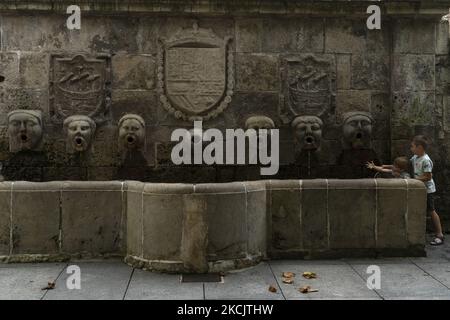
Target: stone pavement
point(401, 278)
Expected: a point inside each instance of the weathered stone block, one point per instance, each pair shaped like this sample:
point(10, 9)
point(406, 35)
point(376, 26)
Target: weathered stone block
point(392, 206)
point(34, 68)
point(292, 35)
point(314, 210)
point(380, 106)
point(442, 43)
point(370, 71)
point(104, 147)
point(18, 98)
point(9, 67)
point(352, 36)
point(5, 220)
point(248, 35)
point(91, 215)
point(416, 215)
point(443, 74)
point(414, 36)
point(352, 100)
point(194, 240)
point(256, 217)
point(134, 217)
point(344, 72)
point(257, 72)
point(285, 215)
point(136, 72)
point(413, 72)
point(352, 210)
point(226, 219)
point(162, 206)
point(140, 102)
point(36, 217)
point(413, 108)
point(244, 105)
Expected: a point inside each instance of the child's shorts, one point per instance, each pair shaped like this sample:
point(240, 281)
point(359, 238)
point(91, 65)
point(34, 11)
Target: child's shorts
point(430, 202)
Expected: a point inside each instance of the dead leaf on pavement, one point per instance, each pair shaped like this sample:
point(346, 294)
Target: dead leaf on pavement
point(50, 286)
point(288, 275)
point(307, 289)
point(272, 289)
point(309, 275)
point(288, 280)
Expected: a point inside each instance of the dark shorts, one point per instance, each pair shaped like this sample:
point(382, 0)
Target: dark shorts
point(430, 202)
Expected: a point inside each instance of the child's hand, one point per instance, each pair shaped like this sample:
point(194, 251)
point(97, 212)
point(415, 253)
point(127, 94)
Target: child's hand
point(370, 165)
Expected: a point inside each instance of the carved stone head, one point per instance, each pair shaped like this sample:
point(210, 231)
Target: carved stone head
point(308, 132)
point(131, 132)
point(357, 130)
point(259, 122)
point(79, 131)
point(24, 129)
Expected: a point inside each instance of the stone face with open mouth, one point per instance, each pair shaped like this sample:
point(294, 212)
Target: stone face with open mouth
point(25, 130)
point(131, 132)
point(308, 132)
point(79, 130)
point(357, 130)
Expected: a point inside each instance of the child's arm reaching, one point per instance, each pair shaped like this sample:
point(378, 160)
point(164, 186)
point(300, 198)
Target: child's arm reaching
point(383, 168)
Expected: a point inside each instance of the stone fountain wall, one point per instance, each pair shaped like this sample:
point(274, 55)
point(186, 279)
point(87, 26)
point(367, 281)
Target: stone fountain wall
point(211, 227)
point(279, 59)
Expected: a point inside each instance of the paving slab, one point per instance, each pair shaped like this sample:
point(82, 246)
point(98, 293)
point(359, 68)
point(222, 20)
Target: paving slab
point(145, 285)
point(440, 271)
point(405, 280)
point(100, 280)
point(334, 281)
point(248, 284)
point(25, 281)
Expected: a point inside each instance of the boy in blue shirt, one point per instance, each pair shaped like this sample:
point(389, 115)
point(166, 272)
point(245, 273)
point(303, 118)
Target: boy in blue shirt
point(423, 168)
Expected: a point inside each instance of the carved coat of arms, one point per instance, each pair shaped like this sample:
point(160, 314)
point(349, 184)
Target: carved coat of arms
point(195, 74)
point(79, 86)
point(309, 85)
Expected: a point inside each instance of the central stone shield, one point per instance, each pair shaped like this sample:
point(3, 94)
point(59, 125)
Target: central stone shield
point(195, 78)
point(195, 74)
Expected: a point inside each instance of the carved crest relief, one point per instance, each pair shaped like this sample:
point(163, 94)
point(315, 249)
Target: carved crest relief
point(79, 86)
point(195, 74)
point(309, 85)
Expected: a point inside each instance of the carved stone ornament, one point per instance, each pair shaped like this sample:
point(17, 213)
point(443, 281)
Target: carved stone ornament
point(24, 129)
point(308, 132)
point(357, 130)
point(259, 122)
point(131, 132)
point(80, 131)
point(195, 74)
point(79, 85)
point(309, 85)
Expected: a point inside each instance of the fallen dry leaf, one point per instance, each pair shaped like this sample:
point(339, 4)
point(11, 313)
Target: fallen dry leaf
point(50, 286)
point(309, 275)
point(272, 289)
point(287, 280)
point(288, 275)
point(307, 289)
